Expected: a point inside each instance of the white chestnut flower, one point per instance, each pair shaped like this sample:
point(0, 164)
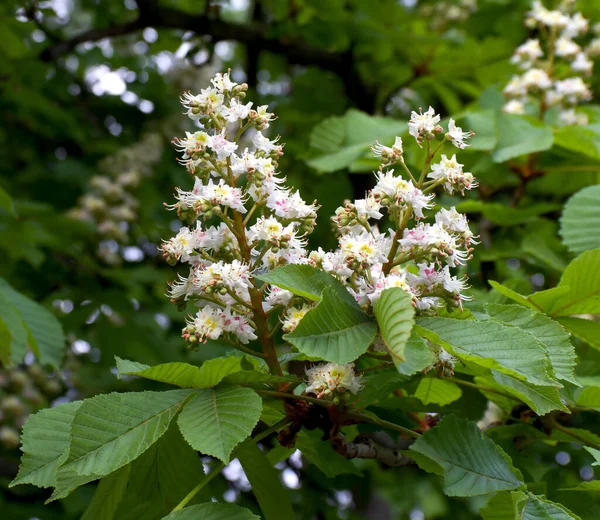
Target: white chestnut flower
point(324, 380)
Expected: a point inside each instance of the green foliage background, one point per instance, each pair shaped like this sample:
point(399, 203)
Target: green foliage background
point(340, 75)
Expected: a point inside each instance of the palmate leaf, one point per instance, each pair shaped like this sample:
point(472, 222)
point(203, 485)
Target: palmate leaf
point(334, 330)
point(395, 316)
point(471, 463)
point(547, 331)
point(578, 291)
point(512, 295)
point(580, 221)
point(519, 135)
point(306, 281)
point(13, 333)
point(45, 334)
point(491, 344)
point(216, 420)
point(505, 505)
point(109, 431)
point(418, 356)
point(273, 498)
point(212, 511)
point(45, 441)
point(596, 454)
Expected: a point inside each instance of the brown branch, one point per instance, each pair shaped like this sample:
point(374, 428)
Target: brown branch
point(365, 448)
point(257, 35)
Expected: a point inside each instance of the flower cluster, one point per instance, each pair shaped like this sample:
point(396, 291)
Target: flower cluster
point(241, 220)
point(331, 378)
point(110, 203)
point(443, 13)
point(553, 65)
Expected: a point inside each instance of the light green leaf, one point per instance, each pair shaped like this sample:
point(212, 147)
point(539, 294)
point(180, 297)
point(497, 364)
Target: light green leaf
point(109, 431)
point(108, 495)
point(578, 291)
point(216, 420)
point(45, 333)
point(272, 497)
point(358, 130)
point(212, 511)
point(418, 356)
point(210, 374)
point(595, 453)
point(518, 135)
point(472, 463)
point(395, 316)
point(334, 330)
point(585, 330)
point(589, 487)
point(484, 125)
point(513, 295)
point(547, 331)
point(45, 442)
point(580, 221)
point(438, 391)
point(491, 344)
point(505, 216)
point(306, 281)
point(579, 140)
point(539, 508)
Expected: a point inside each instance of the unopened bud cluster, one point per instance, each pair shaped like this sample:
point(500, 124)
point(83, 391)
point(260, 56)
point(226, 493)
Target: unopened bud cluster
point(110, 202)
point(553, 65)
point(23, 391)
point(241, 220)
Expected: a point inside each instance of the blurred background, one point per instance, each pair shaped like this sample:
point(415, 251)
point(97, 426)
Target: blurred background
point(89, 104)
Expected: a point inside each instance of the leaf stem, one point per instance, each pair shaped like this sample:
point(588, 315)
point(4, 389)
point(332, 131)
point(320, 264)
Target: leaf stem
point(386, 424)
point(557, 426)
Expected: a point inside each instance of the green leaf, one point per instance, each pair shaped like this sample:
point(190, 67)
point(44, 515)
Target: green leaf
point(506, 216)
point(541, 399)
point(108, 495)
point(518, 135)
point(578, 291)
point(109, 431)
point(359, 132)
point(512, 295)
point(212, 511)
point(491, 344)
point(395, 316)
point(162, 476)
point(45, 441)
point(6, 202)
point(438, 391)
point(504, 506)
point(484, 125)
point(320, 453)
point(210, 374)
point(46, 336)
point(472, 463)
point(539, 508)
point(595, 453)
point(585, 330)
point(588, 487)
point(305, 281)
point(272, 497)
point(580, 221)
point(216, 420)
point(547, 331)
point(579, 140)
point(418, 356)
point(334, 330)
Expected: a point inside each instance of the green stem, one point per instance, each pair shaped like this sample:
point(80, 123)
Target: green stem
point(386, 424)
point(407, 170)
point(573, 434)
point(482, 388)
point(217, 469)
point(284, 395)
